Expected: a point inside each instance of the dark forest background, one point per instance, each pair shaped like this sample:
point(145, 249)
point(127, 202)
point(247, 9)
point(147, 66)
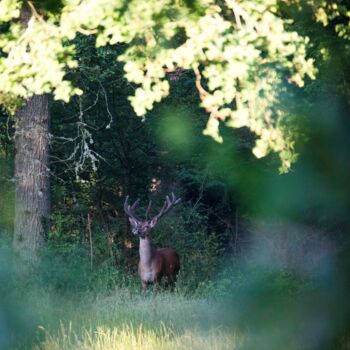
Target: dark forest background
point(242, 229)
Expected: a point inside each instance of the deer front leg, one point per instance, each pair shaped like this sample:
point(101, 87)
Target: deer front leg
point(171, 283)
point(144, 286)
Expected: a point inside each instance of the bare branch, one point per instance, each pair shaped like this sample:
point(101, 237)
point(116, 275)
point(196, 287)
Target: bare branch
point(107, 107)
point(87, 31)
point(213, 111)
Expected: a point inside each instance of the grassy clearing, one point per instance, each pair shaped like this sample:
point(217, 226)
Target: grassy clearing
point(127, 337)
point(132, 321)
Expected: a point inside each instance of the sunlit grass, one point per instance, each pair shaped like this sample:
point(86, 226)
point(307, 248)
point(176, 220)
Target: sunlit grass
point(133, 321)
point(128, 337)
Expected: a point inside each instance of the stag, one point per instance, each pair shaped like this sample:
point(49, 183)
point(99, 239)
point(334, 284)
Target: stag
point(154, 263)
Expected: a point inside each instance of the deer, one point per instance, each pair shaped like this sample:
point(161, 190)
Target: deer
point(154, 263)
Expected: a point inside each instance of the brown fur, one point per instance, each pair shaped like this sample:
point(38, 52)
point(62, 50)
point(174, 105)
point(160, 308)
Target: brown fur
point(165, 263)
point(154, 263)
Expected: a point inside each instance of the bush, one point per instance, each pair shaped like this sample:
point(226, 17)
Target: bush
point(68, 264)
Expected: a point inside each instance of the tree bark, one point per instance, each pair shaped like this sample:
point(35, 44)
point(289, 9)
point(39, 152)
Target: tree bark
point(32, 197)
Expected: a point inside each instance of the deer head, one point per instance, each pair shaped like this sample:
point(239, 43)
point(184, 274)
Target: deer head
point(141, 227)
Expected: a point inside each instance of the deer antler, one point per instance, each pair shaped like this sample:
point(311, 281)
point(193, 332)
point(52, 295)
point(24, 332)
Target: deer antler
point(129, 209)
point(170, 202)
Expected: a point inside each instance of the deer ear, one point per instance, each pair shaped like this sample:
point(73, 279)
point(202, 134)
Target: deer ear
point(133, 222)
point(153, 222)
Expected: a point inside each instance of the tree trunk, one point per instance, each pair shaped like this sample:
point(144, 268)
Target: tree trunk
point(32, 198)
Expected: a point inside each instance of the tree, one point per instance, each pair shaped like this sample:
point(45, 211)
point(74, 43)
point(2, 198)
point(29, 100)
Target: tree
point(242, 54)
point(244, 57)
point(32, 197)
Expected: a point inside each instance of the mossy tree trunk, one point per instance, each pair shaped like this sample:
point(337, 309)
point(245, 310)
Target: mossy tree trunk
point(32, 198)
point(32, 194)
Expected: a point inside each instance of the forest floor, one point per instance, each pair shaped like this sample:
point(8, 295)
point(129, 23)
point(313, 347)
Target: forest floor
point(123, 320)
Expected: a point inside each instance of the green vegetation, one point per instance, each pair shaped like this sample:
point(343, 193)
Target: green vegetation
point(132, 321)
point(217, 316)
point(130, 92)
point(245, 52)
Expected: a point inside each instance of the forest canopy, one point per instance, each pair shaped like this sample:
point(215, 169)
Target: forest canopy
point(246, 56)
point(104, 170)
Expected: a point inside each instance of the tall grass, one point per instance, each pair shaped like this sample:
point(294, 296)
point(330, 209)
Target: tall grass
point(128, 337)
point(124, 320)
point(274, 298)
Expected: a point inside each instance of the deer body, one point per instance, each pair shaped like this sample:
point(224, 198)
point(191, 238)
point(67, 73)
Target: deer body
point(157, 263)
point(154, 263)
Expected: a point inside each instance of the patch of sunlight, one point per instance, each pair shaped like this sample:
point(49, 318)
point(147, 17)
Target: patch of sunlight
point(135, 338)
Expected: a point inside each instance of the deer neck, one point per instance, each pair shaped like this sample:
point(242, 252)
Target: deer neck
point(146, 252)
